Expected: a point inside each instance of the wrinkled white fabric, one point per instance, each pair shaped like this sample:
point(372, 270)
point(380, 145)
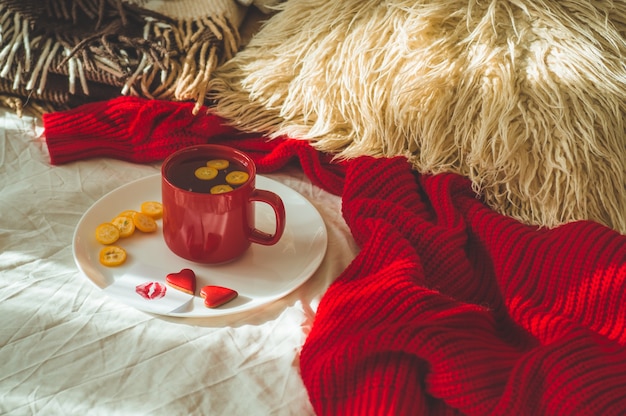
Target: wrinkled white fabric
point(67, 348)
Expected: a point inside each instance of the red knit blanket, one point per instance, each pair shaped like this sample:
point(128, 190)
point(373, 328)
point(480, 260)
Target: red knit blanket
point(449, 308)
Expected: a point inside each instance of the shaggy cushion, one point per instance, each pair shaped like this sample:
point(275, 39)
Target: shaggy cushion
point(525, 98)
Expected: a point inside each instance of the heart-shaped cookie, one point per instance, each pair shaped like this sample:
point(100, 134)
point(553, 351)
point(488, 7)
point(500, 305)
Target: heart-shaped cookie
point(215, 296)
point(184, 280)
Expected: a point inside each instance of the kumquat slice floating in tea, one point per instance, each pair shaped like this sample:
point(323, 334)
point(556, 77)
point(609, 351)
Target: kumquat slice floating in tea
point(237, 177)
point(111, 256)
point(218, 164)
point(220, 189)
point(206, 173)
point(107, 233)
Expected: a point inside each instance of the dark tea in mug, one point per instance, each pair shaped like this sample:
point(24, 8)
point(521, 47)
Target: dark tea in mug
point(209, 195)
point(210, 174)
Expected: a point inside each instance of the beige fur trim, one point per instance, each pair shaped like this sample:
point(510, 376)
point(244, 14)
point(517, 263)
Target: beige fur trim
point(526, 98)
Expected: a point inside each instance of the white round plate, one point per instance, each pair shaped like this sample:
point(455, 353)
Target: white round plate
point(262, 275)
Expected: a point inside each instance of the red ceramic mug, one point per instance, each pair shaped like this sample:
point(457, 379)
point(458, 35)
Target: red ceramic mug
point(207, 227)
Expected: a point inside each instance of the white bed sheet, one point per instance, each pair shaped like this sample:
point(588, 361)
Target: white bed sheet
point(67, 348)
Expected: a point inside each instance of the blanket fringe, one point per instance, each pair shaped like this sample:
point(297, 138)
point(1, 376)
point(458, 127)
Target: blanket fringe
point(166, 59)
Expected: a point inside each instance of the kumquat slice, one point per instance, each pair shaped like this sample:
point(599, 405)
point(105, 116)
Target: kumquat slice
point(152, 209)
point(237, 177)
point(205, 173)
point(107, 233)
point(125, 225)
point(112, 256)
point(220, 189)
point(218, 164)
point(127, 213)
point(144, 223)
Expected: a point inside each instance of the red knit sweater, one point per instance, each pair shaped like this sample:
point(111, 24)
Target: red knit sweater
point(449, 308)
point(140, 130)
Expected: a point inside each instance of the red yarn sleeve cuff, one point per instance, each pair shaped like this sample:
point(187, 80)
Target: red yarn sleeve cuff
point(127, 128)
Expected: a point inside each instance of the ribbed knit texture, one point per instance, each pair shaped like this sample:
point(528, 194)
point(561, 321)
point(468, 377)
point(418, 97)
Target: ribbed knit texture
point(449, 308)
point(141, 130)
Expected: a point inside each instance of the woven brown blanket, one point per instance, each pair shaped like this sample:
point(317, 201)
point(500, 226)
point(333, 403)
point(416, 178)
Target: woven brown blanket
point(57, 54)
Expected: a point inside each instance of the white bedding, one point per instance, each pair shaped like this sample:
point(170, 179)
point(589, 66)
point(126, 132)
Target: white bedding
point(68, 348)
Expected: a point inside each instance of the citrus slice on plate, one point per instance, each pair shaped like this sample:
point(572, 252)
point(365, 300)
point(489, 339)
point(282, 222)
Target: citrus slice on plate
point(125, 225)
point(144, 223)
point(111, 256)
point(107, 233)
point(127, 213)
point(153, 209)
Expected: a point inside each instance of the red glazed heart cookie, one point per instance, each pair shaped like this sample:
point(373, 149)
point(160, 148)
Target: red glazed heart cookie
point(215, 296)
point(184, 280)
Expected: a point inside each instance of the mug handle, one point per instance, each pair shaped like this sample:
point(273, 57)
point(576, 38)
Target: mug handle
point(273, 200)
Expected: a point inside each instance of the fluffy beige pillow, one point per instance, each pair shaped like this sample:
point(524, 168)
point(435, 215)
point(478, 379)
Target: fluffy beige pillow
point(525, 98)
